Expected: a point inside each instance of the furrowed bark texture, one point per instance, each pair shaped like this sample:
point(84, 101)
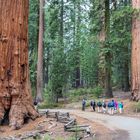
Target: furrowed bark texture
point(15, 92)
point(135, 58)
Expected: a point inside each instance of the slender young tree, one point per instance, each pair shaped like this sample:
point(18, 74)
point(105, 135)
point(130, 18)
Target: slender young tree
point(15, 90)
point(77, 82)
point(74, 41)
point(135, 57)
point(39, 97)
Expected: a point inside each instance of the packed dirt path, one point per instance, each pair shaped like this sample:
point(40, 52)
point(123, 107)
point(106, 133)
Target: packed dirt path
point(131, 125)
point(114, 123)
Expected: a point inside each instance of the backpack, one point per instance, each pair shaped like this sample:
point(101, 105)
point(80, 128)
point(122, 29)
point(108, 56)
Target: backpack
point(99, 104)
point(104, 105)
point(111, 104)
point(120, 105)
point(92, 103)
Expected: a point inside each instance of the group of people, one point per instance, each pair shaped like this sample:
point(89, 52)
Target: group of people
point(110, 107)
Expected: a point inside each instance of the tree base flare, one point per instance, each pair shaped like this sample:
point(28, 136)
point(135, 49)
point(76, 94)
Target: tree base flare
point(19, 110)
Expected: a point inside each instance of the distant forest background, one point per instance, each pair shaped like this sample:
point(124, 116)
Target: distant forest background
point(86, 45)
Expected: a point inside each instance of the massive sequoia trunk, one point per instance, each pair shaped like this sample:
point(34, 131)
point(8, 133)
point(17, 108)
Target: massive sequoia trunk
point(15, 92)
point(135, 58)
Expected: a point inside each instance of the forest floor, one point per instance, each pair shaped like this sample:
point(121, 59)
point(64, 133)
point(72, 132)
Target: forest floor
point(55, 130)
point(52, 129)
point(117, 127)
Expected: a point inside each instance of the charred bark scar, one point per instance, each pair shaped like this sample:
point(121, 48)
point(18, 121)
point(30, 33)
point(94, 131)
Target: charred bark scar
point(23, 71)
point(9, 73)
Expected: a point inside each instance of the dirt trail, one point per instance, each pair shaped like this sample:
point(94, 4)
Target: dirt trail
point(131, 125)
point(115, 123)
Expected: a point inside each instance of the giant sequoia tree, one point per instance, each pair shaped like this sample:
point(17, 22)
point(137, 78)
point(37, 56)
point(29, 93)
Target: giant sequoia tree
point(135, 58)
point(15, 96)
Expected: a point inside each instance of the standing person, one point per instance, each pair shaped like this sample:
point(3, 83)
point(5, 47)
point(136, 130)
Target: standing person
point(115, 106)
point(83, 104)
point(112, 107)
point(120, 107)
point(93, 105)
point(109, 107)
point(35, 106)
point(36, 103)
point(104, 107)
point(99, 105)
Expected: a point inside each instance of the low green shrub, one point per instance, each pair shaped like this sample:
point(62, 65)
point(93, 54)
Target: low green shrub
point(97, 91)
point(49, 105)
point(74, 95)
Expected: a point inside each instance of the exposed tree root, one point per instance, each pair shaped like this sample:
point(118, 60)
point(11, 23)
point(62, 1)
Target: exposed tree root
point(19, 111)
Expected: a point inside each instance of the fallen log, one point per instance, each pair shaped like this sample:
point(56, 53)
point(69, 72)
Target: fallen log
point(66, 114)
point(76, 126)
point(64, 121)
point(70, 123)
point(51, 114)
point(61, 118)
point(76, 129)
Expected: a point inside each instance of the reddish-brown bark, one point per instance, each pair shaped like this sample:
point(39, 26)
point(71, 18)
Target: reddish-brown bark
point(15, 92)
point(135, 58)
